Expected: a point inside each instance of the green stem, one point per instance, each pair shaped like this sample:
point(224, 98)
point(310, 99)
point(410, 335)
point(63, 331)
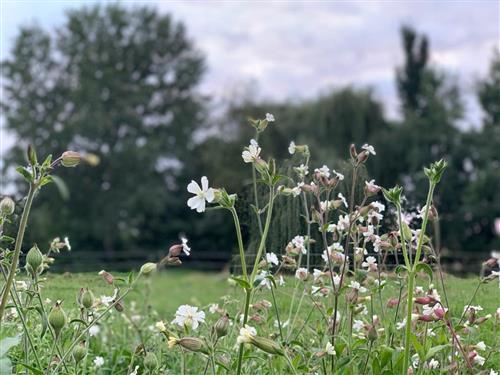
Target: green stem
point(240, 242)
point(424, 224)
point(289, 362)
point(245, 318)
point(406, 362)
point(403, 239)
point(17, 248)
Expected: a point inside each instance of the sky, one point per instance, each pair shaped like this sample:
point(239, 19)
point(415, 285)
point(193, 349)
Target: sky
point(297, 50)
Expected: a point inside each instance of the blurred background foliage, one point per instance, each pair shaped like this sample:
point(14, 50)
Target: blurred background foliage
point(123, 84)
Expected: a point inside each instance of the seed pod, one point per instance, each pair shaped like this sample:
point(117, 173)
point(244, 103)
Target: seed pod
point(70, 159)
point(7, 206)
point(221, 326)
point(57, 318)
point(87, 298)
point(107, 277)
point(79, 352)
point(34, 261)
point(150, 361)
point(267, 345)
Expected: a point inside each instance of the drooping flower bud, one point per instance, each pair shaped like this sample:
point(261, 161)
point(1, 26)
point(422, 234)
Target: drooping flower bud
point(34, 261)
point(87, 298)
point(7, 206)
point(70, 159)
point(221, 326)
point(267, 345)
point(107, 277)
point(57, 318)
point(150, 362)
point(193, 344)
point(148, 268)
point(79, 352)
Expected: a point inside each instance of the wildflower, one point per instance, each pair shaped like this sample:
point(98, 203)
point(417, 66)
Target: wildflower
point(272, 258)
point(213, 308)
point(343, 223)
point(202, 195)
point(188, 316)
point(98, 361)
point(185, 248)
point(251, 153)
point(324, 171)
point(336, 280)
point(67, 244)
point(357, 286)
point(342, 198)
point(401, 325)
point(265, 281)
point(368, 148)
point(160, 326)
point(281, 280)
point(481, 346)
point(301, 273)
point(371, 187)
point(302, 170)
point(370, 263)
point(269, 117)
point(94, 330)
point(317, 274)
point(329, 349)
point(340, 176)
point(246, 334)
point(70, 159)
point(291, 148)
point(433, 364)
point(358, 325)
point(298, 242)
point(135, 371)
point(7, 206)
point(479, 359)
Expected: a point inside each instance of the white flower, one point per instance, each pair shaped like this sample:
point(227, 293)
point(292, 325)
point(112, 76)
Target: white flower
point(201, 195)
point(371, 186)
point(401, 325)
point(107, 300)
point(343, 223)
point(281, 280)
point(433, 364)
point(297, 189)
point(298, 242)
point(329, 349)
point(251, 153)
point(301, 273)
point(358, 325)
point(378, 206)
point(21, 285)
point(481, 346)
point(272, 258)
point(479, 359)
point(342, 198)
point(160, 326)
point(336, 280)
point(246, 334)
point(370, 262)
point(66, 243)
point(493, 372)
point(340, 176)
point(94, 330)
point(317, 274)
point(265, 281)
point(368, 148)
point(135, 371)
point(356, 285)
point(369, 231)
point(291, 148)
point(213, 308)
point(185, 248)
point(324, 171)
point(188, 316)
point(98, 361)
point(269, 117)
point(302, 170)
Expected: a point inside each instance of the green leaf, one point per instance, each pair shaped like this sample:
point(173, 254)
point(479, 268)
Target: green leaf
point(61, 186)
point(32, 369)
point(400, 269)
point(425, 268)
point(25, 173)
point(243, 283)
point(32, 155)
point(434, 350)
point(385, 355)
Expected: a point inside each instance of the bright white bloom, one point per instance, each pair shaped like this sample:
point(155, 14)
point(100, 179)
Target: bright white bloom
point(342, 198)
point(185, 248)
point(475, 308)
point(479, 360)
point(283, 324)
point(281, 280)
point(21, 285)
point(272, 258)
point(370, 149)
point(135, 371)
point(356, 285)
point(493, 372)
point(371, 186)
point(343, 223)
point(370, 263)
point(265, 281)
point(433, 364)
point(213, 308)
point(401, 325)
point(202, 194)
point(329, 349)
point(98, 361)
point(340, 176)
point(269, 117)
point(302, 170)
point(246, 334)
point(301, 273)
point(297, 189)
point(66, 243)
point(336, 280)
point(94, 330)
point(324, 171)
point(379, 206)
point(358, 325)
point(415, 360)
point(369, 231)
point(107, 300)
point(291, 148)
point(317, 274)
point(251, 153)
point(188, 316)
point(481, 346)
point(299, 243)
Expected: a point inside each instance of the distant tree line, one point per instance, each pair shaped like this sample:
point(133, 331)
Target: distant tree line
point(122, 84)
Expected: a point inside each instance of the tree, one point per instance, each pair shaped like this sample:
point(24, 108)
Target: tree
point(120, 84)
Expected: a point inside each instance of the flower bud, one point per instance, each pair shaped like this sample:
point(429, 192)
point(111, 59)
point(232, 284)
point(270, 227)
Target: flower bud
point(57, 318)
point(193, 344)
point(79, 352)
point(7, 206)
point(362, 157)
point(34, 261)
point(70, 159)
point(150, 362)
point(372, 333)
point(119, 306)
point(267, 345)
point(107, 277)
point(87, 299)
point(353, 152)
point(148, 268)
point(221, 326)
